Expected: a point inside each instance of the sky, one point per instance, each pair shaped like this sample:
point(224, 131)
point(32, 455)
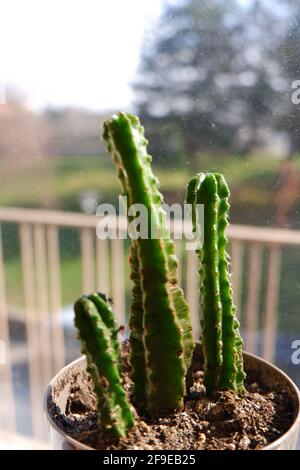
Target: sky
point(80, 53)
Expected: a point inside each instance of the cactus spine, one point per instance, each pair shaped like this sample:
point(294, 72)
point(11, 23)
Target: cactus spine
point(222, 343)
point(162, 326)
point(98, 336)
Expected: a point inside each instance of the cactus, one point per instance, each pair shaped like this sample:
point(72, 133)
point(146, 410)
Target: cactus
point(222, 343)
point(161, 334)
point(98, 336)
point(137, 354)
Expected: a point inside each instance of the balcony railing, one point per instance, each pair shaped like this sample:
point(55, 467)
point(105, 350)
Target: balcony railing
point(256, 264)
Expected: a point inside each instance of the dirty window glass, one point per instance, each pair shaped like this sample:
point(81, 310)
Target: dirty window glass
point(217, 87)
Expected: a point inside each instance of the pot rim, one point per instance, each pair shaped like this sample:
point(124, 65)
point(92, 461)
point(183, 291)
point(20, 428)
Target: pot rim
point(82, 446)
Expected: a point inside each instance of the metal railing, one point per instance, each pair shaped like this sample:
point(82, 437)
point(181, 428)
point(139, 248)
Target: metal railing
point(103, 268)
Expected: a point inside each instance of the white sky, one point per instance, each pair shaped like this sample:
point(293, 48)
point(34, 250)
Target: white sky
point(73, 52)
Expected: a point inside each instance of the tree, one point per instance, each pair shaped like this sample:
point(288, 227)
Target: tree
point(289, 118)
point(207, 76)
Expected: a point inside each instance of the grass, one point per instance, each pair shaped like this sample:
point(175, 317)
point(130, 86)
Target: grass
point(59, 182)
point(71, 282)
point(62, 183)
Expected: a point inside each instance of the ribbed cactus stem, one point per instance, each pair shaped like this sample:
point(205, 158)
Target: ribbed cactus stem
point(222, 343)
point(164, 327)
point(107, 317)
point(98, 336)
point(232, 375)
point(211, 330)
point(137, 353)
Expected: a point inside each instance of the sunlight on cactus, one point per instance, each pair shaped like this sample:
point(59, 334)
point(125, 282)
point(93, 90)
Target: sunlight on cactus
point(161, 332)
point(221, 341)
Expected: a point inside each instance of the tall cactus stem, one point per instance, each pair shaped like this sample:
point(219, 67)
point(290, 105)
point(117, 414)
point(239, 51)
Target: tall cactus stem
point(163, 329)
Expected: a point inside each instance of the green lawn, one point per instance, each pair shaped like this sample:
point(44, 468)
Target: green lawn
point(59, 182)
point(70, 281)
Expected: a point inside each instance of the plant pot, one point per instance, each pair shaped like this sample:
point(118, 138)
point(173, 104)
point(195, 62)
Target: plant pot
point(264, 372)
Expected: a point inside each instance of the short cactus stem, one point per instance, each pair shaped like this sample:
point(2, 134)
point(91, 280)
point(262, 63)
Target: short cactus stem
point(98, 336)
point(164, 321)
point(222, 343)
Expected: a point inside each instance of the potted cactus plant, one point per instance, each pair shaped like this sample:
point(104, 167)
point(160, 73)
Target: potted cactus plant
point(160, 389)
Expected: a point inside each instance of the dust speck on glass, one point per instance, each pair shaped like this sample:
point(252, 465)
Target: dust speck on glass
point(216, 85)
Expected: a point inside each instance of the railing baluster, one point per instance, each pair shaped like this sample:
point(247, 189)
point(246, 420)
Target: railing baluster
point(42, 301)
point(58, 344)
point(237, 256)
point(272, 295)
point(6, 383)
point(192, 290)
point(87, 260)
point(252, 308)
point(117, 279)
point(33, 343)
point(102, 266)
point(110, 258)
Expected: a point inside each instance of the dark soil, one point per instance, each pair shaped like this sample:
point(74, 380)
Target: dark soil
point(227, 422)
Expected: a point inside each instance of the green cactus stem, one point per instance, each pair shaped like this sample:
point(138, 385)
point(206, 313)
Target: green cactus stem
point(98, 336)
point(137, 348)
point(222, 343)
point(166, 329)
point(137, 354)
point(232, 372)
point(211, 326)
point(107, 317)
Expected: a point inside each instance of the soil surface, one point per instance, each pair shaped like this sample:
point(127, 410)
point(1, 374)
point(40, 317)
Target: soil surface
point(227, 422)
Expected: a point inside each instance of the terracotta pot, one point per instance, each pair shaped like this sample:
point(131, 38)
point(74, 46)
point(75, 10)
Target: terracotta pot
point(265, 373)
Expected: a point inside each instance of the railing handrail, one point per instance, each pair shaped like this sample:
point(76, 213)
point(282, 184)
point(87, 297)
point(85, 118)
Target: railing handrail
point(255, 251)
point(75, 219)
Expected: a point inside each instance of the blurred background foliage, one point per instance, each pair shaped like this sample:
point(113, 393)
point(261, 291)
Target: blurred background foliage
point(213, 91)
